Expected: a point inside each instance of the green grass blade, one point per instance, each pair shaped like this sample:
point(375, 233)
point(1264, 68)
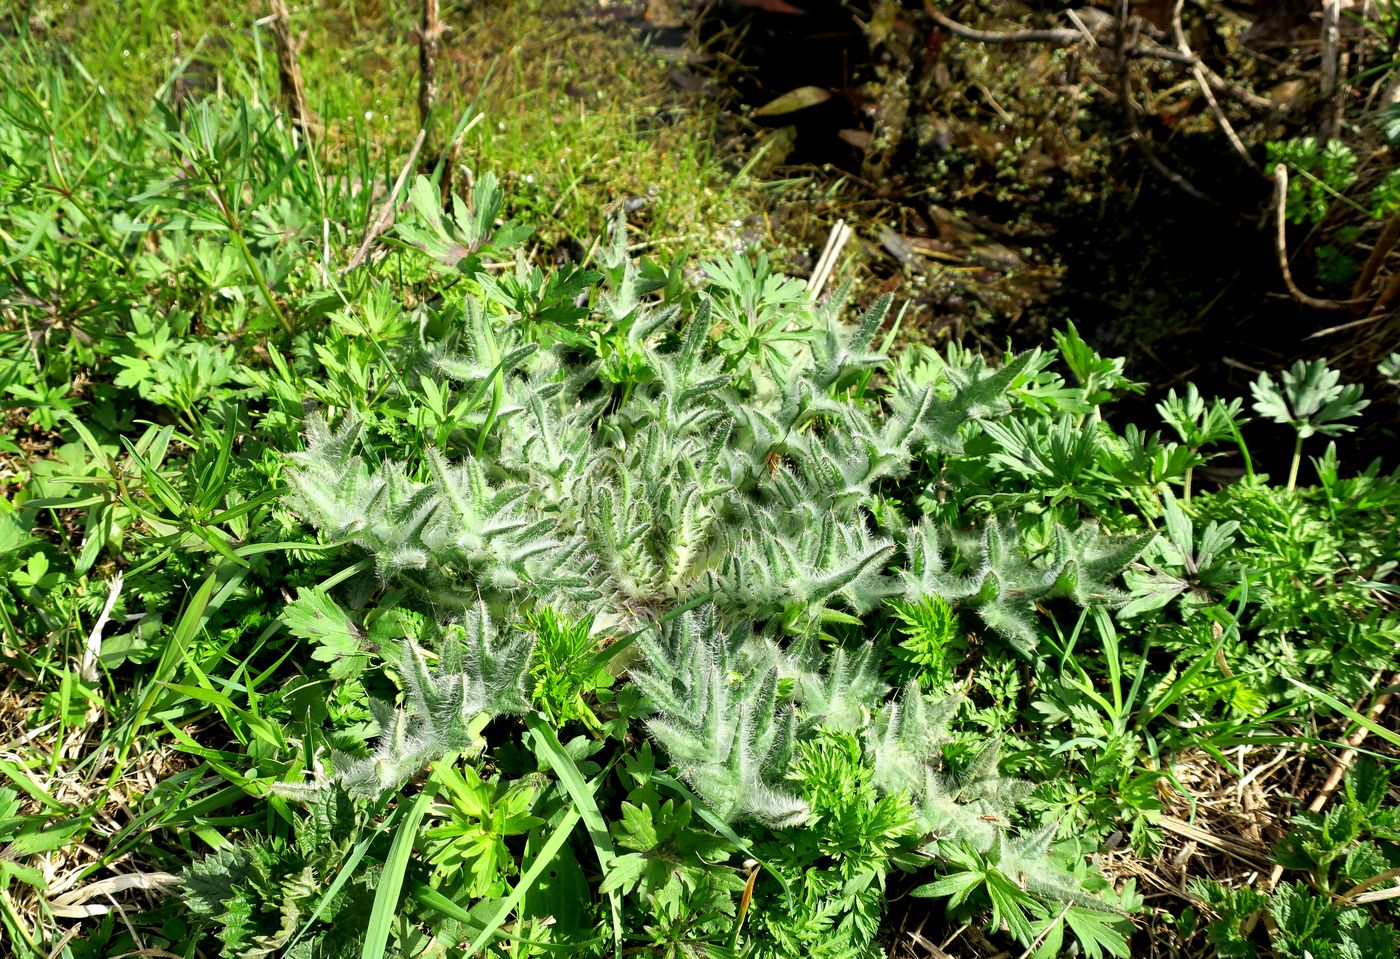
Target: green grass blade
point(386, 897)
point(541, 863)
point(17, 774)
point(1351, 714)
point(582, 795)
point(1182, 685)
point(191, 621)
point(436, 901)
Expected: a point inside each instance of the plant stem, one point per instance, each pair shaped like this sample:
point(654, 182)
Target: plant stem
point(235, 229)
point(1244, 450)
point(1297, 458)
point(261, 281)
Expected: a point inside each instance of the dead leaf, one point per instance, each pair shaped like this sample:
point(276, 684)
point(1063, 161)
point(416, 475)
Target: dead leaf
point(685, 80)
point(792, 101)
point(860, 139)
point(899, 248)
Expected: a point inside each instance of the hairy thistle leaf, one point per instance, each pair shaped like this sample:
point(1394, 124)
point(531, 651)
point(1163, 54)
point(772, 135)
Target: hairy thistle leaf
point(478, 675)
point(725, 731)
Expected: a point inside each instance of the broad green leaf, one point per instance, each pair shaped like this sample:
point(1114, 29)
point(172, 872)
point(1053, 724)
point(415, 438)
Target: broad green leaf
point(314, 616)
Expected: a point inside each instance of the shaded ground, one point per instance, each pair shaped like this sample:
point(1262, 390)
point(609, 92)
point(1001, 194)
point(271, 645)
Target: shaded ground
point(1002, 183)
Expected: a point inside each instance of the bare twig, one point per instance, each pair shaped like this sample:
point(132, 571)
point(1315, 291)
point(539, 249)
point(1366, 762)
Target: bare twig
point(1146, 49)
point(288, 67)
point(1202, 81)
point(1390, 234)
point(1281, 246)
point(1142, 49)
point(1125, 95)
point(1058, 36)
point(429, 45)
point(1339, 98)
point(1331, 32)
point(386, 210)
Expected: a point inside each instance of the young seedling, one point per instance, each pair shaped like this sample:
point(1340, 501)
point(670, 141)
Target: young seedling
point(1311, 400)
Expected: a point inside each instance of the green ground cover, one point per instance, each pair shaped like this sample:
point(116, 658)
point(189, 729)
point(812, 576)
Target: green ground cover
point(463, 597)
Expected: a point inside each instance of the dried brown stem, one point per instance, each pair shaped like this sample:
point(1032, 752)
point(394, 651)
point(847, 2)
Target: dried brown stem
point(288, 67)
point(386, 211)
point(1060, 37)
point(1281, 246)
point(1334, 65)
point(1384, 244)
point(1390, 295)
point(429, 46)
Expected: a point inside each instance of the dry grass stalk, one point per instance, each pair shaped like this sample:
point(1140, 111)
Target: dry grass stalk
point(385, 215)
point(1390, 234)
point(87, 669)
point(836, 241)
point(78, 903)
point(288, 68)
point(1222, 828)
